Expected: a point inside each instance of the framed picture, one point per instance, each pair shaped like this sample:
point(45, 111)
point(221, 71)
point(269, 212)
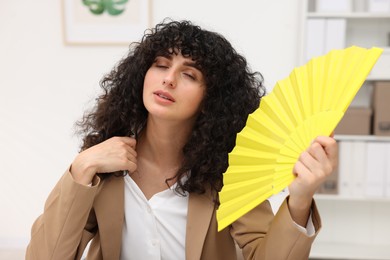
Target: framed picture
point(105, 21)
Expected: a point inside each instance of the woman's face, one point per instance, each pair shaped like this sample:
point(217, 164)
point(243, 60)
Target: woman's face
point(173, 88)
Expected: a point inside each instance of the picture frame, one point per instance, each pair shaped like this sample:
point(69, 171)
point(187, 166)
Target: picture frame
point(105, 22)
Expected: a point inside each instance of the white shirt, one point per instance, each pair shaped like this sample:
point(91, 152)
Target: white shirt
point(155, 228)
point(277, 200)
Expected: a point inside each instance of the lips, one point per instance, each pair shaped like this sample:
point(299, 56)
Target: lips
point(164, 95)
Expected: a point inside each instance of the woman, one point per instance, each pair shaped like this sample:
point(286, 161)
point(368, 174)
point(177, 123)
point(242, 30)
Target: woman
point(168, 117)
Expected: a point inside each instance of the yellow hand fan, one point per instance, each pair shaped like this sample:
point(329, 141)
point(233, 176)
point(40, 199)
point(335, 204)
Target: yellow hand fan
point(309, 103)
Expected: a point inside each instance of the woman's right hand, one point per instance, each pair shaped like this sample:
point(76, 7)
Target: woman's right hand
point(114, 154)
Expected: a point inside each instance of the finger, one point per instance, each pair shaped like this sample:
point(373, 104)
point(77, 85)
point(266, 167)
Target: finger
point(127, 140)
point(308, 161)
point(322, 164)
point(126, 153)
point(131, 151)
point(124, 162)
point(131, 158)
point(300, 169)
point(331, 148)
point(317, 151)
point(304, 177)
point(125, 143)
point(328, 143)
point(131, 166)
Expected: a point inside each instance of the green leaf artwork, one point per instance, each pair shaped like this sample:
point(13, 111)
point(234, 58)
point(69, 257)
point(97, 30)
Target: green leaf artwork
point(113, 7)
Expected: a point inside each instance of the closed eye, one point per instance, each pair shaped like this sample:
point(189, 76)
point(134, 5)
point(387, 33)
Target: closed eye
point(161, 66)
point(190, 76)
point(161, 62)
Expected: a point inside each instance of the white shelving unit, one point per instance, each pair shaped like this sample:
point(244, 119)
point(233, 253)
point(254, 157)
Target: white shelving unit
point(371, 138)
point(354, 227)
point(362, 28)
point(343, 251)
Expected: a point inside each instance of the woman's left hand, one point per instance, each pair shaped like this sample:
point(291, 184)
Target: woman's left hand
point(311, 170)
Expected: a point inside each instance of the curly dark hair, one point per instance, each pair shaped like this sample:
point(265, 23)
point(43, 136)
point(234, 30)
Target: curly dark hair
point(232, 93)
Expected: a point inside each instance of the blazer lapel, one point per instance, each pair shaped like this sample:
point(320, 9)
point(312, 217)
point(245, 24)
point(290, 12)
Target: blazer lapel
point(109, 208)
point(200, 211)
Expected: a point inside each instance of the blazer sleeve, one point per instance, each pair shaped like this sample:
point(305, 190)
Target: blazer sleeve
point(67, 223)
point(261, 235)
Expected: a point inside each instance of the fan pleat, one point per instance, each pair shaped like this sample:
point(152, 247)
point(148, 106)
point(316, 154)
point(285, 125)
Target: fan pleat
point(287, 105)
point(246, 172)
point(271, 129)
point(235, 207)
point(315, 77)
point(248, 135)
point(243, 157)
point(272, 107)
point(299, 85)
point(342, 96)
point(228, 213)
point(309, 103)
point(332, 71)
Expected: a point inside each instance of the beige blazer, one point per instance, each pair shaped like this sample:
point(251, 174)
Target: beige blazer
point(74, 214)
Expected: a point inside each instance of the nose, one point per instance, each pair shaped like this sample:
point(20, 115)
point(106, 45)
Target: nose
point(168, 83)
point(169, 80)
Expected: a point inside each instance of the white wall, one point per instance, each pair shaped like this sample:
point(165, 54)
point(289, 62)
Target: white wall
point(45, 86)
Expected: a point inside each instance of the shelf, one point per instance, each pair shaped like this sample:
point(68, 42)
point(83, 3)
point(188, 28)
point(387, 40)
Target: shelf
point(371, 138)
point(370, 78)
point(360, 15)
point(386, 49)
point(336, 197)
point(322, 250)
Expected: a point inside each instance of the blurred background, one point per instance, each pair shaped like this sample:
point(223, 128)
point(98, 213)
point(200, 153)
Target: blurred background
point(53, 53)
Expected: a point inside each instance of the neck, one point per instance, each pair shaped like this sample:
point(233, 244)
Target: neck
point(162, 144)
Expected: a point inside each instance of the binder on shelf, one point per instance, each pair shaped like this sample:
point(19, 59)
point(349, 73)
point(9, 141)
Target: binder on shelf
point(324, 35)
point(375, 169)
point(345, 173)
point(315, 40)
point(379, 6)
point(352, 168)
point(359, 149)
point(335, 33)
point(333, 6)
point(387, 170)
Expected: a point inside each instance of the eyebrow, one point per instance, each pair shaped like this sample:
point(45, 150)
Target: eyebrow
point(192, 64)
